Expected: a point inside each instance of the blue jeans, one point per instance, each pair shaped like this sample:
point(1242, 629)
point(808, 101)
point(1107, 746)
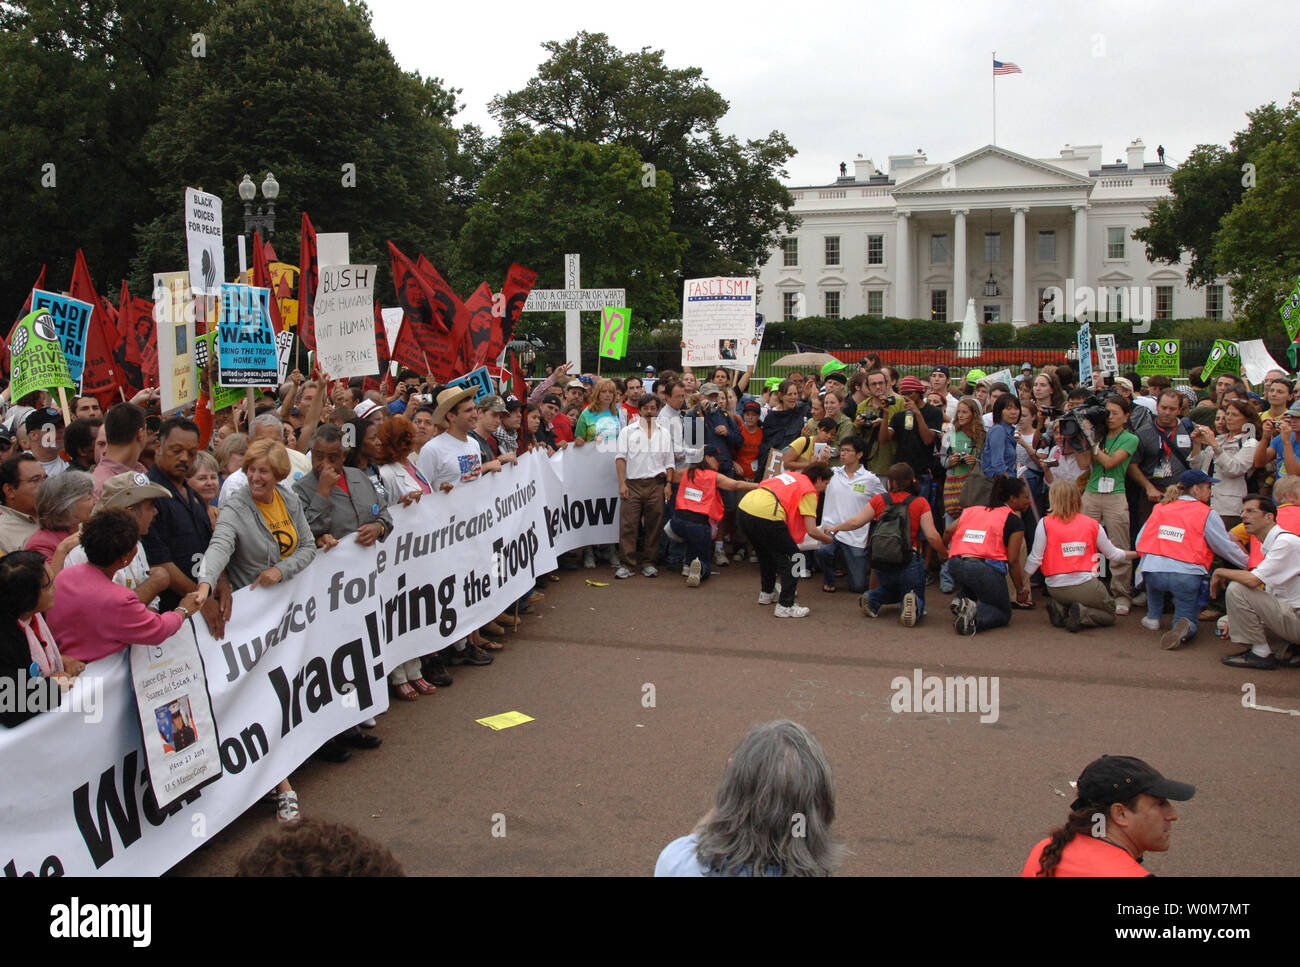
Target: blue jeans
point(978, 579)
point(855, 564)
point(894, 584)
point(697, 538)
point(1186, 591)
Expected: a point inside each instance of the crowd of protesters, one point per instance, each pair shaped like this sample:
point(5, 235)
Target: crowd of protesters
point(118, 525)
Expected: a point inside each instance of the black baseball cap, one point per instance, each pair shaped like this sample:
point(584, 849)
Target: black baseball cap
point(39, 418)
point(1118, 778)
point(552, 399)
point(752, 405)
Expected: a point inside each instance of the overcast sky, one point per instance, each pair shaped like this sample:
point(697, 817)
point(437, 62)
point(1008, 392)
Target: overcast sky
point(876, 79)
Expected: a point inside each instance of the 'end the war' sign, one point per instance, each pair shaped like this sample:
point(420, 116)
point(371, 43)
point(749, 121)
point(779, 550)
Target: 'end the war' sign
point(71, 319)
point(246, 352)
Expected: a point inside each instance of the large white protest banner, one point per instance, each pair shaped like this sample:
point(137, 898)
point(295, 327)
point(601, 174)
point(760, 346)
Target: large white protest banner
point(345, 321)
point(300, 662)
point(718, 322)
point(203, 241)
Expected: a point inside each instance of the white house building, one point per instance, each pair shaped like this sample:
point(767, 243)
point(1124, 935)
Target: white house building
point(992, 225)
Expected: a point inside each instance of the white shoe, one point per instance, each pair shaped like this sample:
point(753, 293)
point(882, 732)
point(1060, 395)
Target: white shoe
point(693, 574)
point(1150, 625)
point(753, 558)
point(287, 810)
point(649, 571)
point(686, 569)
point(588, 558)
point(740, 556)
point(1122, 607)
point(766, 597)
point(794, 611)
point(622, 572)
point(910, 607)
point(720, 557)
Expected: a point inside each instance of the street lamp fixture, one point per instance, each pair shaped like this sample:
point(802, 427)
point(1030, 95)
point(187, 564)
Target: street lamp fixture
point(261, 219)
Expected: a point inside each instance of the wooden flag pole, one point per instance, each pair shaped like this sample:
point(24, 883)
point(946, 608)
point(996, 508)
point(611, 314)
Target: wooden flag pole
point(63, 405)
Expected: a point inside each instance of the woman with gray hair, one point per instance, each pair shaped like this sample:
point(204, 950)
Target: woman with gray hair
point(772, 814)
point(63, 504)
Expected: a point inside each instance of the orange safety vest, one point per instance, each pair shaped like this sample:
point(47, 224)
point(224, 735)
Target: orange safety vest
point(1177, 530)
point(699, 493)
point(752, 441)
point(1085, 856)
point(789, 489)
point(979, 533)
point(1071, 547)
point(1288, 518)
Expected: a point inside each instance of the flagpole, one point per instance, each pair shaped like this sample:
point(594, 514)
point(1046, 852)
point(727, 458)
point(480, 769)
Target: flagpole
point(995, 102)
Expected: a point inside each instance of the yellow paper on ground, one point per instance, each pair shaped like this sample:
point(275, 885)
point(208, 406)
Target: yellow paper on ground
point(504, 721)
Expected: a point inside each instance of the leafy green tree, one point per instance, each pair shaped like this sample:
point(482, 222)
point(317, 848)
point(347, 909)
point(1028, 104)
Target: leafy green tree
point(1258, 243)
point(548, 194)
point(728, 202)
point(81, 81)
point(304, 89)
point(1204, 189)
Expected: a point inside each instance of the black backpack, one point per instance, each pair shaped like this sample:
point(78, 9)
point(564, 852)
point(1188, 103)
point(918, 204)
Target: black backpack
point(890, 545)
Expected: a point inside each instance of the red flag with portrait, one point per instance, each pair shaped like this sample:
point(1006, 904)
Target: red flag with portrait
point(381, 349)
point(481, 322)
point(431, 311)
point(262, 279)
point(308, 279)
point(101, 376)
point(519, 282)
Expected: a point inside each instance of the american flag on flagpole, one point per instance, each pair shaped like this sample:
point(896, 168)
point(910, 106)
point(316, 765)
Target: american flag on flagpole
point(1005, 67)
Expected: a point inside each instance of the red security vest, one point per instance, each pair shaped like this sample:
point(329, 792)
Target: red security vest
point(1071, 547)
point(700, 494)
point(1177, 530)
point(789, 489)
point(1288, 518)
point(979, 533)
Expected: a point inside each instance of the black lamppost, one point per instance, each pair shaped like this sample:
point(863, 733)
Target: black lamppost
point(259, 220)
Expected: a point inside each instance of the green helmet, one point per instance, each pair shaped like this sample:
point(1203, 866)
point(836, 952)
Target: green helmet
point(975, 375)
point(831, 368)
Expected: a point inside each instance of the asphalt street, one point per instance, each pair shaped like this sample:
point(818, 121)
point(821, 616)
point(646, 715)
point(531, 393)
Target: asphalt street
point(639, 691)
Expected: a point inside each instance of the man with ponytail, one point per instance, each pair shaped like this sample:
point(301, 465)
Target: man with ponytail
point(1123, 812)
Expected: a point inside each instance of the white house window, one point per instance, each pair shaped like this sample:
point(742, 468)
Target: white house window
point(992, 247)
point(1046, 306)
point(1164, 302)
point(1114, 303)
point(938, 249)
point(1115, 243)
point(993, 312)
point(939, 304)
point(789, 301)
point(790, 249)
point(875, 302)
point(1214, 302)
point(832, 303)
point(832, 250)
point(1047, 246)
point(875, 250)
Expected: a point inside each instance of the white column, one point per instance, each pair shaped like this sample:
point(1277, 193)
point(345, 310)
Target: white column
point(1018, 268)
point(903, 285)
point(957, 307)
point(1080, 253)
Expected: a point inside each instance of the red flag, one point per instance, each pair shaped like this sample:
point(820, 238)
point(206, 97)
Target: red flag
point(27, 307)
point(129, 351)
point(268, 252)
point(407, 350)
point(262, 279)
point(481, 321)
point(518, 385)
point(381, 349)
point(138, 354)
point(519, 282)
point(101, 377)
point(308, 278)
point(450, 360)
point(433, 311)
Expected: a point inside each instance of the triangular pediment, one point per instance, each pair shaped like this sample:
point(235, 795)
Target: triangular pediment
point(991, 168)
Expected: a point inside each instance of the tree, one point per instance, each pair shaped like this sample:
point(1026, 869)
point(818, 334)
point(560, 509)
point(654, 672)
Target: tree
point(1258, 243)
point(82, 82)
point(548, 194)
point(1204, 189)
point(729, 206)
point(304, 89)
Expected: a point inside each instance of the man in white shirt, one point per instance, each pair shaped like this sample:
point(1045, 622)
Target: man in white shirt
point(849, 492)
point(452, 458)
point(1264, 604)
point(645, 473)
point(45, 439)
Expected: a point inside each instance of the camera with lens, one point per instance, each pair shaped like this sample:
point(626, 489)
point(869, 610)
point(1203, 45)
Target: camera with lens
point(1084, 425)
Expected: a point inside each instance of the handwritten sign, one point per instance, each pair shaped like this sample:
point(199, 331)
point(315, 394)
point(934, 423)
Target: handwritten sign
point(614, 324)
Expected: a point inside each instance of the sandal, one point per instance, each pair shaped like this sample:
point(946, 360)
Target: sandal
point(488, 645)
point(406, 692)
point(829, 589)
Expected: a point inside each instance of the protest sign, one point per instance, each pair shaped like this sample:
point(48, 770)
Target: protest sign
point(1290, 312)
point(36, 357)
point(181, 744)
point(1085, 354)
point(1224, 358)
point(1158, 357)
point(173, 308)
point(345, 321)
point(1107, 356)
point(614, 324)
point(300, 662)
point(222, 397)
point(1002, 376)
point(246, 351)
point(718, 322)
point(481, 381)
point(203, 241)
point(1256, 361)
point(71, 319)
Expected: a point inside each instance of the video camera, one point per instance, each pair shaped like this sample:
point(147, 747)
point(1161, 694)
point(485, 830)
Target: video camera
point(1082, 426)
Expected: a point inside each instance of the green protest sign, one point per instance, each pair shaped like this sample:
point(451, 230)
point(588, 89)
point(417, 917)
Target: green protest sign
point(1224, 358)
point(614, 324)
point(37, 360)
point(1290, 312)
point(1158, 357)
point(223, 397)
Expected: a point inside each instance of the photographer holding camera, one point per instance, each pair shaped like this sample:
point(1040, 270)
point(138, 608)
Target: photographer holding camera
point(873, 418)
point(1104, 498)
